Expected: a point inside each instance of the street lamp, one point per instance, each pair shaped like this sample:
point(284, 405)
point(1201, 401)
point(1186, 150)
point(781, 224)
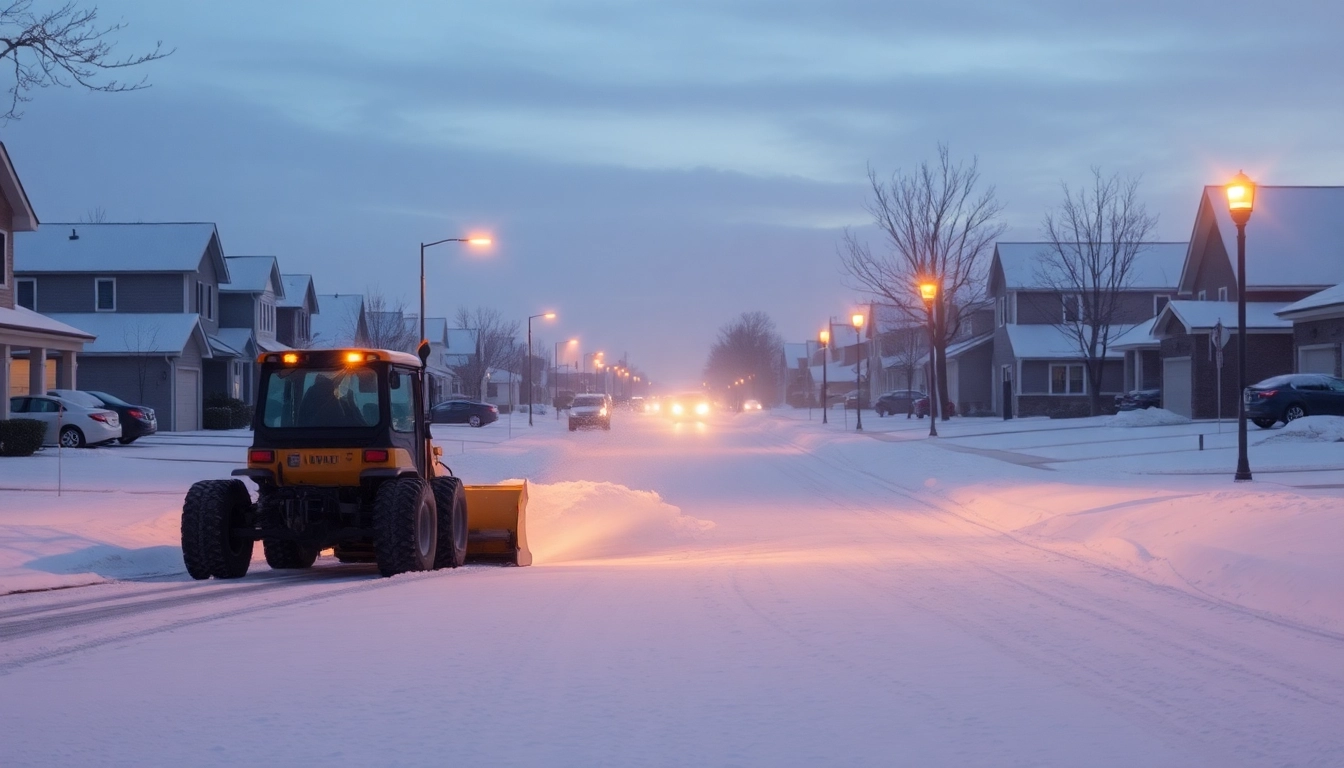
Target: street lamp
point(929, 292)
point(528, 377)
point(468, 240)
point(555, 363)
point(857, 321)
point(1240, 203)
point(825, 338)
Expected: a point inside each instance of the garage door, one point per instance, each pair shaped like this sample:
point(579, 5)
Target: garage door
point(1176, 385)
point(1316, 360)
point(187, 409)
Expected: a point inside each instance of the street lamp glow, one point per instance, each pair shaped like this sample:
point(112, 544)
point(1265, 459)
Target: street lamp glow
point(856, 320)
point(928, 291)
point(1241, 196)
point(825, 336)
point(480, 241)
point(549, 315)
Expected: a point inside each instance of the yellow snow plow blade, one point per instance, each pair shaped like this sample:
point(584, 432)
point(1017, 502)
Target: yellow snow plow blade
point(496, 523)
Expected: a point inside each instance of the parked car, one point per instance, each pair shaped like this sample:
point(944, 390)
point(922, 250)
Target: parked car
point(469, 412)
point(1290, 397)
point(922, 407)
point(852, 400)
point(69, 424)
point(1138, 399)
point(897, 401)
point(590, 411)
point(136, 420)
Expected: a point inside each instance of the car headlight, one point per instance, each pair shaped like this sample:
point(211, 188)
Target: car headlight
point(677, 409)
point(702, 409)
point(602, 412)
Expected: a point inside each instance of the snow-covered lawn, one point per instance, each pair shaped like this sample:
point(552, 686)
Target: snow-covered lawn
point(760, 590)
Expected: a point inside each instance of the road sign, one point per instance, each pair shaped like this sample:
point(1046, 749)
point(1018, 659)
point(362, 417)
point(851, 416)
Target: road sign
point(1220, 335)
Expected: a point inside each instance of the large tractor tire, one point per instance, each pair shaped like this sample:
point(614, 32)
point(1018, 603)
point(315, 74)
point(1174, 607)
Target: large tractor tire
point(212, 510)
point(405, 526)
point(282, 554)
point(451, 502)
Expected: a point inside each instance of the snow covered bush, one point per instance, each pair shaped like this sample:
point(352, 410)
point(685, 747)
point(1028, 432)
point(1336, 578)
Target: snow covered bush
point(21, 437)
point(1147, 417)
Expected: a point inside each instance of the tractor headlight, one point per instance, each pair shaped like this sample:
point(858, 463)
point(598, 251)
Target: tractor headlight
point(677, 409)
point(702, 409)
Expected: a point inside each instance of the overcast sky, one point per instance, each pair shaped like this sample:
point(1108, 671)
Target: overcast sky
point(652, 168)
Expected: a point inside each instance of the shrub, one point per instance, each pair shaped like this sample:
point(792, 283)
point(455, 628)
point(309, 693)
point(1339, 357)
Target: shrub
point(216, 417)
point(239, 413)
point(21, 437)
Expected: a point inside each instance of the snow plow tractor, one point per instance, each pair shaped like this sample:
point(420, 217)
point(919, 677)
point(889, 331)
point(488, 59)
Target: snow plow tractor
point(342, 458)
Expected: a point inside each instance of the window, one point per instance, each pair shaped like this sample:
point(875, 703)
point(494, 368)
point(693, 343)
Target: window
point(401, 400)
point(1072, 305)
point(1222, 293)
point(1159, 301)
point(27, 293)
point(1204, 296)
point(105, 294)
point(1066, 379)
point(320, 398)
point(4, 240)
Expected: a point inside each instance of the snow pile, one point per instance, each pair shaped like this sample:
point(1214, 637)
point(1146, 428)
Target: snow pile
point(1147, 417)
point(1310, 429)
point(585, 520)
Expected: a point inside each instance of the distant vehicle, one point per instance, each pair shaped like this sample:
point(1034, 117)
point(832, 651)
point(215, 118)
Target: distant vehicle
point(1290, 397)
point(1139, 399)
point(69, 424)
point(467, 412)
point(897, 401)
point(751, 405)
point(637, 404)
point(852, 400)
point(922, 407)
point(590, 411)
point(688, 406)
point(562, 399)
point(136, 420)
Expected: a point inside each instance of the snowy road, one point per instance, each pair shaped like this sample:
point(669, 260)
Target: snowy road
point(842, 609)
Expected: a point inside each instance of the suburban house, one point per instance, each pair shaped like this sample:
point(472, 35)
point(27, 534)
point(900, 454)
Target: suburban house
point(149, 292)
point(504, 390)
point(443, 380)
point(969, 356)
point(1035, 360)
point(294, 310)
point(342, 323)
point(1292, 253)
point(1318, 331)
point(799, 389)
point(21, 328)
point(248, 315)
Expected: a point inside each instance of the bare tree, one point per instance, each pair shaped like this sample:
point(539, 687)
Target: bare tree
point(96, 215)
point(1092, 242)
point(749, 349)
point(906, 342)
point(141, 342)
point(65, 46)
point(388, 327)
point(497, 348)
point(937, 227)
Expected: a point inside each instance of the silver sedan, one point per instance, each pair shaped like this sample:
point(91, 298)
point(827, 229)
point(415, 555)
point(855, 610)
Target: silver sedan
point(69, 424)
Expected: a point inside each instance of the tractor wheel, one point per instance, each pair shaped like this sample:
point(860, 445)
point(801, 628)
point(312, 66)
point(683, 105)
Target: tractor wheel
point(282, 554)
point(212, 510)
point(1293, 413)
point(71, 437)
point(451, 503)
point(405, 526)
point(1264, 423)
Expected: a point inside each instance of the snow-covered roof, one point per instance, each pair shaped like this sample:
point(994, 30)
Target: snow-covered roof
point(962, 347)
point(107, 248)
point(1138, 337)
point(137, 333)
point(836, 373)
point(436, 329)
point(253, 274)
point(793, 353)
point(219, 348)
point(26, 320)
point(504, 377)
point(1046, 342)
point(239, 339)
point(336, 324)
point(1183, 316)
point(1295, 237)
point(1156, 267)
point(1329, 302)
point(298, 288)
point(24, 219)
point(462, 340)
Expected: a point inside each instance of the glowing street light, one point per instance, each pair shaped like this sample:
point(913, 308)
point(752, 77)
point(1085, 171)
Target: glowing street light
point(856, 320)
point(1240, 203)
point(825, 338)
point(928, 291)
point(528, 377)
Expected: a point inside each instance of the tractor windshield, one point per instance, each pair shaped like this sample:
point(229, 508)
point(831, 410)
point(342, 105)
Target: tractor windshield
point(307, 398)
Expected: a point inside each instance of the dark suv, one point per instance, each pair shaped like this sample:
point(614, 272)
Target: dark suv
point(1290, 397)
point(897, 401)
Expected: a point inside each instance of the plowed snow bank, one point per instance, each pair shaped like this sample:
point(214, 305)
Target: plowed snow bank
point(587, 520)
point(1147, 417)
point(1309, 429)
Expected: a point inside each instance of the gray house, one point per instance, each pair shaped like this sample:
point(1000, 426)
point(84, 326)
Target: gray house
point(248, 317)
point(1035, 356)
point(145, 287)
point(342, 323)
point(294, 311)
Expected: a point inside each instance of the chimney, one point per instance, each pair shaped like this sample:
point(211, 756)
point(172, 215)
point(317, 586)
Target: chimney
point(73, 234)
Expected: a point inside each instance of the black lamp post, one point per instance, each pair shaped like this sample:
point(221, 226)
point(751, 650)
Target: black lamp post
point(929, 293)
point(1240, 203)
point(825, 337)
point(527, 380)
point(857, 320)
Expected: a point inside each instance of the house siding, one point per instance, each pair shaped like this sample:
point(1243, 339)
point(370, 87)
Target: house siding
point(206, 273)
point(1267, 354)
point(237, 310)
point(7, 259)
point(120, 376)
point(1316, 332)
point(974, 381)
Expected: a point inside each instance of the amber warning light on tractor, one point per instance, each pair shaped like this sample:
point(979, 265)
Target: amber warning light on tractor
point(290, 358)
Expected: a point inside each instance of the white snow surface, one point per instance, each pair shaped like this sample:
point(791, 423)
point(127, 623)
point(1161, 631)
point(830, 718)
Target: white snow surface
point(1310, 429)
point(758, 590)
point(1147, 417)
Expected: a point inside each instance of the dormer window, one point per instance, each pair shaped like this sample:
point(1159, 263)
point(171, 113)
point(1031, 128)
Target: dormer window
point(105, 294)
point(1072, 305)
point(1203, 295)
point(1222, 293)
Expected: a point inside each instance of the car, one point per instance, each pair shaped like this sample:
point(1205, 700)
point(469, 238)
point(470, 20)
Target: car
point(469, 412)
point(636, 404)
point(69, 424)
point(562, 399)
point(751, 405)
point(1290, 397)
point(897, 401)
point(590, 410)
point(688, 406)
point(136, 420)
point(922, 407)
point(1139, 399)
point(852, 400)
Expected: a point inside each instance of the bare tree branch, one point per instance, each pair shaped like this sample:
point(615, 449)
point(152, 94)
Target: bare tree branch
point(66, 47)
point(388, 325)
point(497, 347)
point(750, 349)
